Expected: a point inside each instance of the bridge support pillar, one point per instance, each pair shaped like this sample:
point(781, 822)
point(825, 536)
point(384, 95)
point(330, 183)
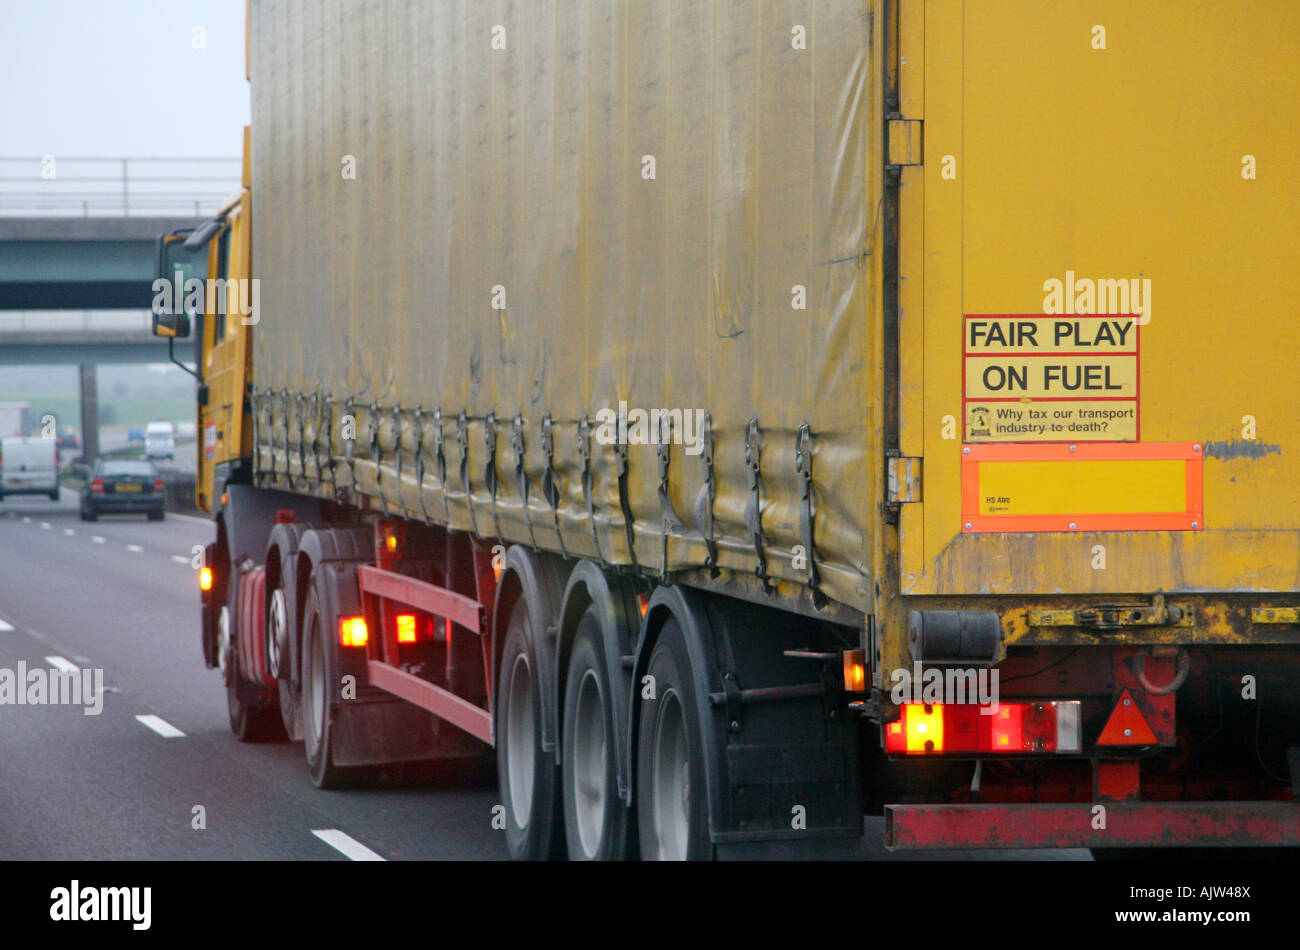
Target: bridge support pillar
point(89, 413)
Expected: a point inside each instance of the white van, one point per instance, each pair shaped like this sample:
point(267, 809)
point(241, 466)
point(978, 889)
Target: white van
point(29, 467)
point(160, 440)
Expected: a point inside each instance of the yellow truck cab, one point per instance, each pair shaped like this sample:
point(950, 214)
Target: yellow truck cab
point(222, 311)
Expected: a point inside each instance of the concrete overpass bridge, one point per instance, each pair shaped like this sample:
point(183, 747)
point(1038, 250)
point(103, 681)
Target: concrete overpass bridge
point(81, 263)
point(60, 337)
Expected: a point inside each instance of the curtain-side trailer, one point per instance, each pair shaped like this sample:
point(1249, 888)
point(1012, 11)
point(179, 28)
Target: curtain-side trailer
point(744, 417)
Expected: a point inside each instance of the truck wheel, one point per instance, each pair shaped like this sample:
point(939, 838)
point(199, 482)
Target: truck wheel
point(253, 714)
point(672, 811)
point(526, 775)
point(318, 677)
point(277, 638)
point(250, 722)
point(54, 495)
point(595, 818)
point(157, 515)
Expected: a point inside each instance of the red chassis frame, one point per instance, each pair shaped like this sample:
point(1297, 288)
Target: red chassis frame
point(1127, 824)
point(383, 589)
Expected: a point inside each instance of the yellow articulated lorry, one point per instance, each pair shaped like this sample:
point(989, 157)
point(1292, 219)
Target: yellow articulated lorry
point(742, 418)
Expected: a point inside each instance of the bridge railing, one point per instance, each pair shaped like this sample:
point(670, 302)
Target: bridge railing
point(115, 187)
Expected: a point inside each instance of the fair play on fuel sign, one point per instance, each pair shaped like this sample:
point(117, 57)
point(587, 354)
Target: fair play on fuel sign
point(1050, 378)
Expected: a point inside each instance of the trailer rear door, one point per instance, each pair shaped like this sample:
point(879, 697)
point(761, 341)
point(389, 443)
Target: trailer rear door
point(1098, 283)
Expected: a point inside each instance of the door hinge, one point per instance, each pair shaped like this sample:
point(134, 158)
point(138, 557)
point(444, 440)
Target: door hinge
point(904, 141)
point(904, 480)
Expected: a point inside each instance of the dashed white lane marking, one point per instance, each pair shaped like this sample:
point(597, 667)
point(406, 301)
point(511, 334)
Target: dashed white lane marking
point(26, 520)
point(180, 559)
point(346, 844)
point(59, 663)
point(134, 548)
point(160, 726)
point(5, 626)
point(97, 539)
point(68, 531)
point(45, 525)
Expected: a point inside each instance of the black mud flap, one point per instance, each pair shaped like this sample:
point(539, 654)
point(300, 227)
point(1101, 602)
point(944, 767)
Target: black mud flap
point(783, 756)
point(382, 732)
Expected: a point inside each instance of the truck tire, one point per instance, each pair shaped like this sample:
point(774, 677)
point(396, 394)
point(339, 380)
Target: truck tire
point(318, 676)
point(254, 717)
point(277, 634)
point(672, 805)
point(250, 722)
point(595, 818)
point(526, 774)
point(54, 495)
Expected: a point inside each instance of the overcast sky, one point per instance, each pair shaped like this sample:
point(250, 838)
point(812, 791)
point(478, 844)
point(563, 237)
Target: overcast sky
point(122, 78)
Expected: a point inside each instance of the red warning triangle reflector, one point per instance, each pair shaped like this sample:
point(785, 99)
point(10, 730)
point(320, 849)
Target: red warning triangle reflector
point(1126, 725)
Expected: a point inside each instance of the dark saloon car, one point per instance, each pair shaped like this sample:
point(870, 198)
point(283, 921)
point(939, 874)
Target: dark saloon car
point(122, 486)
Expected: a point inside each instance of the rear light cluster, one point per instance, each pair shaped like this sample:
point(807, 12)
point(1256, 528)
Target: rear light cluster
point(418, 628)
point(97, 486)
point(410, 628)
point(159, 485)
point(1050, 727)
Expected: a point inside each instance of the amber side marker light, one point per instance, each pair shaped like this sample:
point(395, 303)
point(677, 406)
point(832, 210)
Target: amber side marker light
point(855, 671)
point(205, 578)
point(352, 632)
point(643, 604)
point(406, 628)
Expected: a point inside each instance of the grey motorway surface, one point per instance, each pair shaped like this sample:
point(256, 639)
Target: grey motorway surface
point(120, 595)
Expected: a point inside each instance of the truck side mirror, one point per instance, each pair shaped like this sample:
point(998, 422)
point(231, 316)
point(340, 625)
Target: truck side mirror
point(181, 260)
point(176, 325)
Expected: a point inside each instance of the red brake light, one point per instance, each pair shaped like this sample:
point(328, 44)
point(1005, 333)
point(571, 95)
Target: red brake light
point(1010, 728)
point(159, 485)
point(97, 486)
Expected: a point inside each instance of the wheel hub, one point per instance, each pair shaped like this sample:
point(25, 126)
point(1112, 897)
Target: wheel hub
point(590, 764)
point(225, 659)
point(520, 759)
point(277, 632)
